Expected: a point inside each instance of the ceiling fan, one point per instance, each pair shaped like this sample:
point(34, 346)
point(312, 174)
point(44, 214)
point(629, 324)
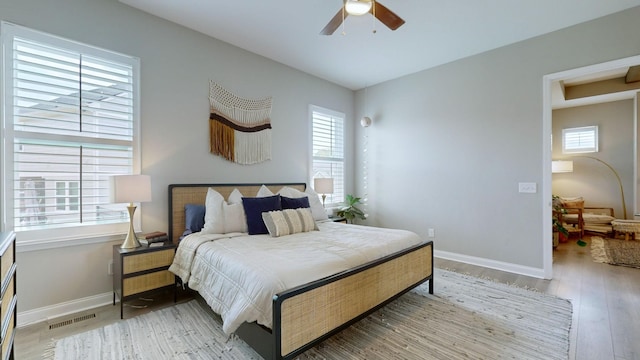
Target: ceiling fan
point(361, 7)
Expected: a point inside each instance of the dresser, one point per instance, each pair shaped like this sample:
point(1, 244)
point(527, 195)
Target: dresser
point(142, 270)
point(8, 296)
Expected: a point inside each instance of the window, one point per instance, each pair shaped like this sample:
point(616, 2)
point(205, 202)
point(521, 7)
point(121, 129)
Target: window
point(70, 122)
point(580, 140)
point(67, 193)
point(328, 150)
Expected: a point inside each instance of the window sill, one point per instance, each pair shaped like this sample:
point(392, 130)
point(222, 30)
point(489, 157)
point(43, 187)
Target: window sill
point(38, 245)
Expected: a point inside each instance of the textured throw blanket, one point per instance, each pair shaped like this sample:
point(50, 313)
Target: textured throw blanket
point(239, 275)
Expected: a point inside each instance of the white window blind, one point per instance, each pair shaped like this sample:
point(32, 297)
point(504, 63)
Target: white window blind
point(328, 150)
point(71, 122)
point(580, 140)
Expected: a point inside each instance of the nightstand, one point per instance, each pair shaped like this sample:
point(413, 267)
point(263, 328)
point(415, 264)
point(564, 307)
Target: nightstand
point(140, 271)
point(8, 296)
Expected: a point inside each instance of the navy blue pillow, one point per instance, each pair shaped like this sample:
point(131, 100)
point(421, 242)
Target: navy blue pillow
point(253, 209)
point(194, 217)
point(294, 203)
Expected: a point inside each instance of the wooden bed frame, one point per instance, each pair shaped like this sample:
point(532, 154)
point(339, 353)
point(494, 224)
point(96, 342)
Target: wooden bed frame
point(307, 315)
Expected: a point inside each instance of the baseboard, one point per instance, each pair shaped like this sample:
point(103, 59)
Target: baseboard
point(491, 264)
point(57, 310)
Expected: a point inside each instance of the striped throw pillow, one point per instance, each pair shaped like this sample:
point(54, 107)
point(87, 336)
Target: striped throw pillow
point(289, 221)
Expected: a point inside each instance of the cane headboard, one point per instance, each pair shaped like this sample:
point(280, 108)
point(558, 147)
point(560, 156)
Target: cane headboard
point(183, 194)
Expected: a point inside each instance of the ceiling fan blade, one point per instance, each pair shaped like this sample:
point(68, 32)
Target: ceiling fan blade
point(386, 16)
point(334, 23)
point(633, 74)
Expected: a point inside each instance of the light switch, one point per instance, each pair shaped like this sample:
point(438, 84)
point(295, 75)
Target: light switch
point(527, 187)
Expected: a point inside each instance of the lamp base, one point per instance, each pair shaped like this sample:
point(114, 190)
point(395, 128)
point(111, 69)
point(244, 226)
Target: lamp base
point(131, 241)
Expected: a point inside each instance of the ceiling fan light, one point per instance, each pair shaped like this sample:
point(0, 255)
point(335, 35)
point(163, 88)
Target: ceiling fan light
point(357, 7)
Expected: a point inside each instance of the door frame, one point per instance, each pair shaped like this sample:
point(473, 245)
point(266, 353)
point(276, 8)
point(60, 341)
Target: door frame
point(547, 117)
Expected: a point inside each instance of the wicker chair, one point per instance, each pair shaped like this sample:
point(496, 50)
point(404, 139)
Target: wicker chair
point(585, 218)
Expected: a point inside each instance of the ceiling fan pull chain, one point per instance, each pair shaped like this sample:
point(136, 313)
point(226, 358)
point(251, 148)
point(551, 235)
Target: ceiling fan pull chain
point(374, 16)
point(343, 10)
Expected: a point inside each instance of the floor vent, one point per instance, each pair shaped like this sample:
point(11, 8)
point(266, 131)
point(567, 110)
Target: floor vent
point(71, 321)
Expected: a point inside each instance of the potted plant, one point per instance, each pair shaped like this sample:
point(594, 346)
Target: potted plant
point(558, 226)
point(350, 211)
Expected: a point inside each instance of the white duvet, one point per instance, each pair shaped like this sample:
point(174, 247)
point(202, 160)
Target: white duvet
point(238, 274)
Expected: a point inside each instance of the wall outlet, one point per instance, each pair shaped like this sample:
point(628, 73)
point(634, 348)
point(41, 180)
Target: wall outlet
point(110, 267)
point(431, 233)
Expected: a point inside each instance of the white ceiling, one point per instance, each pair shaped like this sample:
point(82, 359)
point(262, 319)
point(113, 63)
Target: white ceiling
point(435, 32)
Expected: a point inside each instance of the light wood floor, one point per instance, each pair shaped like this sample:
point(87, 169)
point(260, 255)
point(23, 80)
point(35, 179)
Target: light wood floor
point(605, 298)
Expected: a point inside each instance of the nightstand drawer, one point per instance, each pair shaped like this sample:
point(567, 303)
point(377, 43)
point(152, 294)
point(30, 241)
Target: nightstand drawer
point(147, 261)
point(6, 300)
point(6, 261)
point(155, 280)
point(7, 340)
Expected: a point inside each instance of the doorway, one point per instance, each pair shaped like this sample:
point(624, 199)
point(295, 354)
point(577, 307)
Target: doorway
point(549, 82)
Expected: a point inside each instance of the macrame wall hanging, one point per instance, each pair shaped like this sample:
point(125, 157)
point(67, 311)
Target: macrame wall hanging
point(240, 129)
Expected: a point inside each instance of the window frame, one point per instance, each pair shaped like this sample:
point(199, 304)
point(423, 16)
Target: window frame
point(337, 198)
point(591, 131)
point(64, 235)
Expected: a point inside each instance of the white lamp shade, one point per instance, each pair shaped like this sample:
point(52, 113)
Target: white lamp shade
point(561, 166)
point(323, 185)
point(130, 188)
point(357, 7)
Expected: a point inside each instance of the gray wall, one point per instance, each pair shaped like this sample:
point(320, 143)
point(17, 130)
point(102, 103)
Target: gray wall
point(176, 65)
point(591, 179)
point(447, 148)
point(449, 145)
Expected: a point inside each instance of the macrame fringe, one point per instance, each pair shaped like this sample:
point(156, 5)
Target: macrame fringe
point(222, 140)
point(252, 148)
point(245, 144)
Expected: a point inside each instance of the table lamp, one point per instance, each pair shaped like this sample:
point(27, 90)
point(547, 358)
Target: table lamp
point(130, 188)
point(323, 186)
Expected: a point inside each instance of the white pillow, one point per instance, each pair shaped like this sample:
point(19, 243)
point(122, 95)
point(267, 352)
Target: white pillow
point(214, 213)
point(235, 197)
point(291, 192)
point(318, 211)
point(234, 218)
point(264, 192)
point(221, 217)
point(289, 221)
point(600, 219)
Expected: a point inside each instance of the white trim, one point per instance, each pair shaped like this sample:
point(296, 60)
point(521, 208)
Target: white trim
point(58, 310)
point(37, 245)
point(38, 239)
point(338, 115)
point(547, 113)
point(491, 264)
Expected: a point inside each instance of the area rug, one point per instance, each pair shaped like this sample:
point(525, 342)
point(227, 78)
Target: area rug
point(466, 318)
point(616, 251)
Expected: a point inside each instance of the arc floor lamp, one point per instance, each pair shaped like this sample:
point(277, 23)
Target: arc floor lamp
point(560, 166)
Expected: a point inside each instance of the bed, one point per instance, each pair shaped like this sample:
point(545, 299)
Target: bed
point(306, 314)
